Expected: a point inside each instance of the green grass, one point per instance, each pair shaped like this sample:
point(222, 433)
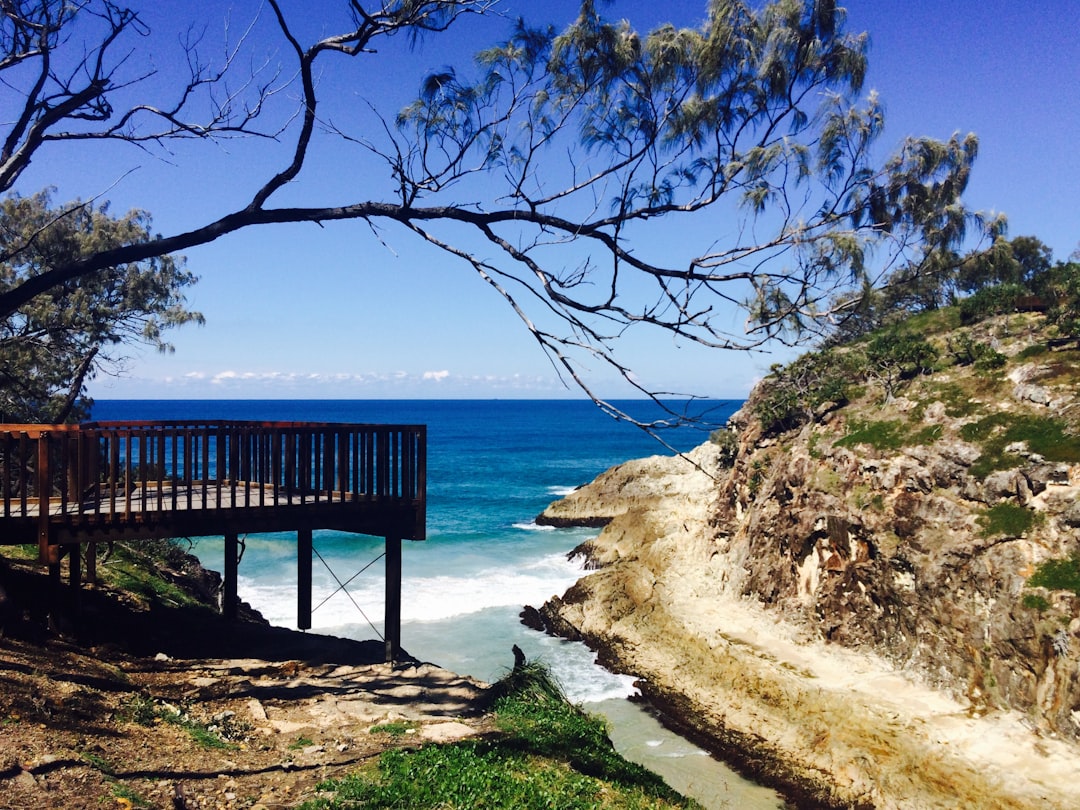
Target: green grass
point(1048, 437)
point(1007, 520)
point(133, 567)
point(398, 729)
point(97, 763)
point(958, 402)
point(145, 711)
point(1034, 350)
point(888, 434)
point(550, 754)
point(120, 794)
point(1058, 575)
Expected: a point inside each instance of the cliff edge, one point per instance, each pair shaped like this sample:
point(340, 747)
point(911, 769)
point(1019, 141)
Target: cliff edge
point(873, 605)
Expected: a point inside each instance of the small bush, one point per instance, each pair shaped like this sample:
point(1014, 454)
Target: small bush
point(791, 394)
point(893, 356)
point(989, 301)
point(1034, 601)
point(727, 443)
point(1058, 575)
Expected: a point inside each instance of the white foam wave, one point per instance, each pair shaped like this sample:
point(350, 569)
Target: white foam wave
point(561, 492)
point(533, 527)
point(424, 598)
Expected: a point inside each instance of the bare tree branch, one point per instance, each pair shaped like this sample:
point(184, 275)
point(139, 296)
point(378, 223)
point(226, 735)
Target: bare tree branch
point(572, 154)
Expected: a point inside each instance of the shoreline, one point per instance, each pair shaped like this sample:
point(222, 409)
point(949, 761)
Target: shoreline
point(837, 726)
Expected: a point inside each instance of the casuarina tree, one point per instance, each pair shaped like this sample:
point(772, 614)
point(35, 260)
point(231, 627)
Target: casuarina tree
point(556, 164)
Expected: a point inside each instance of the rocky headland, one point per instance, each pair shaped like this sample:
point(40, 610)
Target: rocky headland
point(872, 606)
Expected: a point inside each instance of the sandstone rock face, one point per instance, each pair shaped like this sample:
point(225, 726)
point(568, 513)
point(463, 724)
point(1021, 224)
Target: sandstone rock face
point(852, 620)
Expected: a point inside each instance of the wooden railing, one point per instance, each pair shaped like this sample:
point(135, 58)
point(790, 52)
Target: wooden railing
point(98, 476)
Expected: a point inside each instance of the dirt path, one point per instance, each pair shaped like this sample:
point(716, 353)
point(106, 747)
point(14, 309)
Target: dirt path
point(137, 707)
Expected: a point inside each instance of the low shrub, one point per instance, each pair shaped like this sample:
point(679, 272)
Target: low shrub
point(1058, 575)
point(989, 301)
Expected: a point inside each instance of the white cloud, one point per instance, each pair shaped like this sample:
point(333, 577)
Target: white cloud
point(437, 376)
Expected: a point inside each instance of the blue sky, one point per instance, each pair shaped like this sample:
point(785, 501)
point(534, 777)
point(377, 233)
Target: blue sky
point(303, 311)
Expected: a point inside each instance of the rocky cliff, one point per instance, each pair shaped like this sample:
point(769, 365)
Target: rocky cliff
point(875, 608)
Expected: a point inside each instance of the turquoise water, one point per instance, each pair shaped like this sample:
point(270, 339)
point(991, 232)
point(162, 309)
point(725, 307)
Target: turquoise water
point(493, 466)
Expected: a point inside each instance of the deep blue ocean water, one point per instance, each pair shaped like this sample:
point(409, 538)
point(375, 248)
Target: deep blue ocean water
point(493, 465)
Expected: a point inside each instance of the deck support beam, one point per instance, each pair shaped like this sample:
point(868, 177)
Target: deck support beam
point(230, 595)
point(74, 552)
point(91, 562)
point(303, 579)
point(393, 598)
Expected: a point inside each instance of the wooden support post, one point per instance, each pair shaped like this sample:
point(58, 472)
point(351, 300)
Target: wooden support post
point(393, 598)
point(74, 551)
point(303, 579)
point(230, 596)
point(91, 562)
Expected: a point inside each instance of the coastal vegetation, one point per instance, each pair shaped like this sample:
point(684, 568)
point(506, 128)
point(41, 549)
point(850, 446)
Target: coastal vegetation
point(899, 503)
point(888, 338)
point(549, 753)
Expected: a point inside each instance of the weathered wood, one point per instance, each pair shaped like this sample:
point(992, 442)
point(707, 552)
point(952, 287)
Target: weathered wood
point(68, 485)
point(76, 483)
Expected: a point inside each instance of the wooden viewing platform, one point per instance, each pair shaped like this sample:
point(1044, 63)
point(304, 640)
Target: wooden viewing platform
point(69, 486)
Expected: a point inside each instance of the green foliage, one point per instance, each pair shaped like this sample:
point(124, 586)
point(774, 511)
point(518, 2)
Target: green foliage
point(219, 734)
point(300, 742)
point(138, 709)
point(52, 345)
point(990, 301)
point(1016, 263)
point(393, 729)
point(1049, 437)
point(1034, 350)
point(134, 567)
point(1006, 520)
point(1063, 288)
point(958, 402)
point(967, 351)
point(98, 763)
point(132, 797)
point(893, 356)
point(888, 434)
point(1058, 575)
point(1035, 601)
point(727, 442)
point(791, 394)
point(552, 754)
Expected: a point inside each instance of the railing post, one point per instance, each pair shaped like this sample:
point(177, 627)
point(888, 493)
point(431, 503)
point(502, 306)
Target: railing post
point(45, 554)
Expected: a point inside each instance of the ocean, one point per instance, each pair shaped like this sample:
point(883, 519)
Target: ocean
point(493, 465)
